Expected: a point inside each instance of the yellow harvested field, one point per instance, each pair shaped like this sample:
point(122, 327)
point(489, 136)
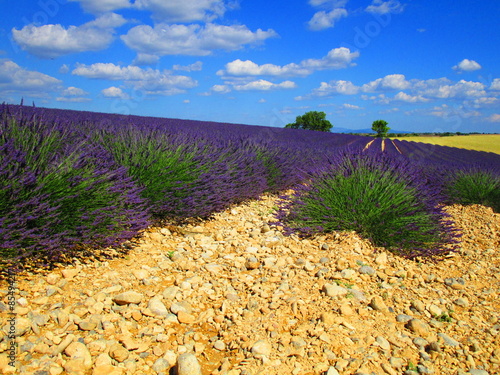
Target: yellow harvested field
point(479, 142)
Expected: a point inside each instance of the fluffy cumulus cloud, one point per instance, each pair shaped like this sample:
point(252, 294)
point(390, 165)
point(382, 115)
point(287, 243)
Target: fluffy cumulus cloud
point(73, 94)
point(263, 85)
point(495, 85)
point(389, 82)
point(351, 106)
point(184, 10)
point(102, 6)
point(74, 91)
point(220, 89)
point(467, 65)
point(15, 79)
point(325, 20)
point(151, 81)
point(164, 11)
point(334, 87)
point(51, 41)
point(194, 67)
point(384, 7)
point(114, 92)
point(447, 112)
point(332, 11)
point(404, 97)
point(255, 85)
point(337, 58)
point(411, 91)
point(195, 40)
point(443, 88)
point(494, 117)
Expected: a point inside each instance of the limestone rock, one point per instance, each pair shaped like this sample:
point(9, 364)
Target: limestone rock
point(187, 364)
point(128, 297)
point(261, 348)
point(334, 290)
point(77, 350)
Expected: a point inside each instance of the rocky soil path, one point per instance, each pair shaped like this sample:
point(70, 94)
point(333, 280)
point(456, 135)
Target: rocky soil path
point(233, 296)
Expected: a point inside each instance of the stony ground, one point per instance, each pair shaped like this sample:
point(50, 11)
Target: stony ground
point(233, 296)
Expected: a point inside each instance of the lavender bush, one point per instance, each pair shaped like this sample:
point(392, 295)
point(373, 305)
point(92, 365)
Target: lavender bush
point(474, 186)
point(74, 179)
point(381, 197)
point(61, 194)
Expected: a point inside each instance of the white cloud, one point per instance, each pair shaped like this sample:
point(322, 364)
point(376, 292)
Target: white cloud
point(384, 7)
point(114, 92)
point(328, 3)
point(263, 85)
point(194, 40)
point(484, 102)
point(331, 11)
point(399, 97)
point(74, 91)
point(404, 97)
point(412, 91)
point(351, 106)
point(390, 110)
point(221, 89)
point(164, 11)
point(337, 58)
point(64, 69)
point(151, 81)
point(467, 65)
point(72, 99)
point(74, 95)
point(495, 85)
point(256, 85)
point(334, 87)
point(443, 88)
point(447, 111)
point(184, 10)
point(494, 117)
point(51, 41)
point(102, 6)
point(381, 99)
point(145, 59)
point(14, 78)
point(389, 82)
point(325, 20)
point(197, 66)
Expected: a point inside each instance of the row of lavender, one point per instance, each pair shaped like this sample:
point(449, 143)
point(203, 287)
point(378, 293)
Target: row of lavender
point(71, 180)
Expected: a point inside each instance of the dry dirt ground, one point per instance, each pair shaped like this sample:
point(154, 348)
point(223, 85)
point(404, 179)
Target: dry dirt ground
point(232, 295)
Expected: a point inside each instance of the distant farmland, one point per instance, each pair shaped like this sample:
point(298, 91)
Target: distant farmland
point(479, 142)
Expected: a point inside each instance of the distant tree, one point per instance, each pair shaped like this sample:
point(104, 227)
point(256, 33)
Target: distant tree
point(380, 126)
point(312, 120)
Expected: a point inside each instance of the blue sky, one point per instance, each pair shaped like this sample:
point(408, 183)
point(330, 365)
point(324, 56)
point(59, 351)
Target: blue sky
point(420, 65)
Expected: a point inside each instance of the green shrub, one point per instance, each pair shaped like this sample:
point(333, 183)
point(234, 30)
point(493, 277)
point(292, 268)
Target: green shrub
point(60, 194)
point(381, 198)
point(475, 187)
point(162, 165)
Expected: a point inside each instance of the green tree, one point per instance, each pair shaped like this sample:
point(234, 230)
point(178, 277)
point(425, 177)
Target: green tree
point(380, 126)
point(312, 120)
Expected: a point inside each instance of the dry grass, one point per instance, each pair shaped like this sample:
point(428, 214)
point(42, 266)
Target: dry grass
point(479, 142)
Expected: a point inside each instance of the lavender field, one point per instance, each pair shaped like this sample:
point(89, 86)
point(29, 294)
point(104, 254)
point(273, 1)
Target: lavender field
point(72, 180)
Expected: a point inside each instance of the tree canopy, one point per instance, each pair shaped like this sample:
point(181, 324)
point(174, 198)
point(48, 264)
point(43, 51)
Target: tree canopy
point(312, 120)
point(380, 126)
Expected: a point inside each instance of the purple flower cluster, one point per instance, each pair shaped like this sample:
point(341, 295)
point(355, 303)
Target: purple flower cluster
point(75, 179)
point(385, 198)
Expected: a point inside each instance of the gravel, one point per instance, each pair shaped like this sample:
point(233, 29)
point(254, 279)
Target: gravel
point(233, 296)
